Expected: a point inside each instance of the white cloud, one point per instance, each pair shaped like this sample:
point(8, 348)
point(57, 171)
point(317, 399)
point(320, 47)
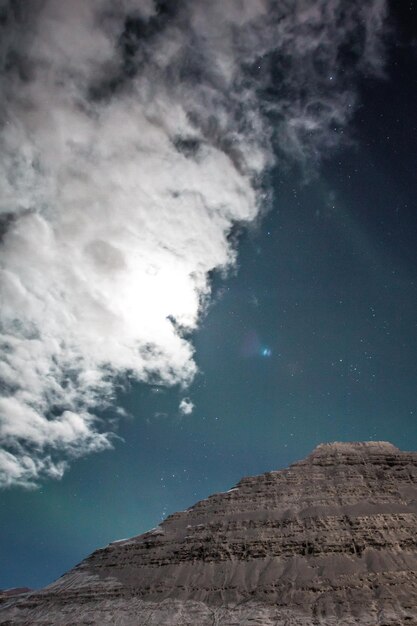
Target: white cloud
point(186, 406)
point(129, 149)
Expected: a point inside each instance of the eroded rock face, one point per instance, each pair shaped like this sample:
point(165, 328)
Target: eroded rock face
point(332, 540)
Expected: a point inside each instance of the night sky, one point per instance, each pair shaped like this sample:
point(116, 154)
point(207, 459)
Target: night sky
point(310, 338)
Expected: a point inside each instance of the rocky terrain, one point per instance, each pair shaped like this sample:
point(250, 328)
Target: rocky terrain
point(332, 540)
point(13, 591)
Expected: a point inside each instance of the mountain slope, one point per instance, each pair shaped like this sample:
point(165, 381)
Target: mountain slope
point(332, 540)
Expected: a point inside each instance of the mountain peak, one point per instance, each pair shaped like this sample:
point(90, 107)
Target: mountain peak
point(356, 447)
point(351, 452)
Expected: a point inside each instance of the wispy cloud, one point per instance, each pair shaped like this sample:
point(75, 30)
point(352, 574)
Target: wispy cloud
point(134, 135)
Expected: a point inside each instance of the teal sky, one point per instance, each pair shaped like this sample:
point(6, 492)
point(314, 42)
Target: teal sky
point(314, 339)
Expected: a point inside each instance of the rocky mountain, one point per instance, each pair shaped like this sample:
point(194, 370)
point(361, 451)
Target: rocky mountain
point(13, 591)
point(330, 541)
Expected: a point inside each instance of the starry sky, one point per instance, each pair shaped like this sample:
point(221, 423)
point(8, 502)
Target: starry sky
point(310, 337)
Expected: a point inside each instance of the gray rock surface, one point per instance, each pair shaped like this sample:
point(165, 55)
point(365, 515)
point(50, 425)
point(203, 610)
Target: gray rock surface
point(332, 540)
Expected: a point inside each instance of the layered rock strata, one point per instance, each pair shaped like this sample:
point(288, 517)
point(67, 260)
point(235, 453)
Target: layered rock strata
point(330, 541)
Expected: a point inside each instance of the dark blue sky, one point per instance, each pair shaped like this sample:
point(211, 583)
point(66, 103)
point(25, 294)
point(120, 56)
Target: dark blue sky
point(314, 339)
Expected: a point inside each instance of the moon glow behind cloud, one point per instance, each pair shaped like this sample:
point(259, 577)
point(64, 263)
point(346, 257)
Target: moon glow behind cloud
point(134, 137)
